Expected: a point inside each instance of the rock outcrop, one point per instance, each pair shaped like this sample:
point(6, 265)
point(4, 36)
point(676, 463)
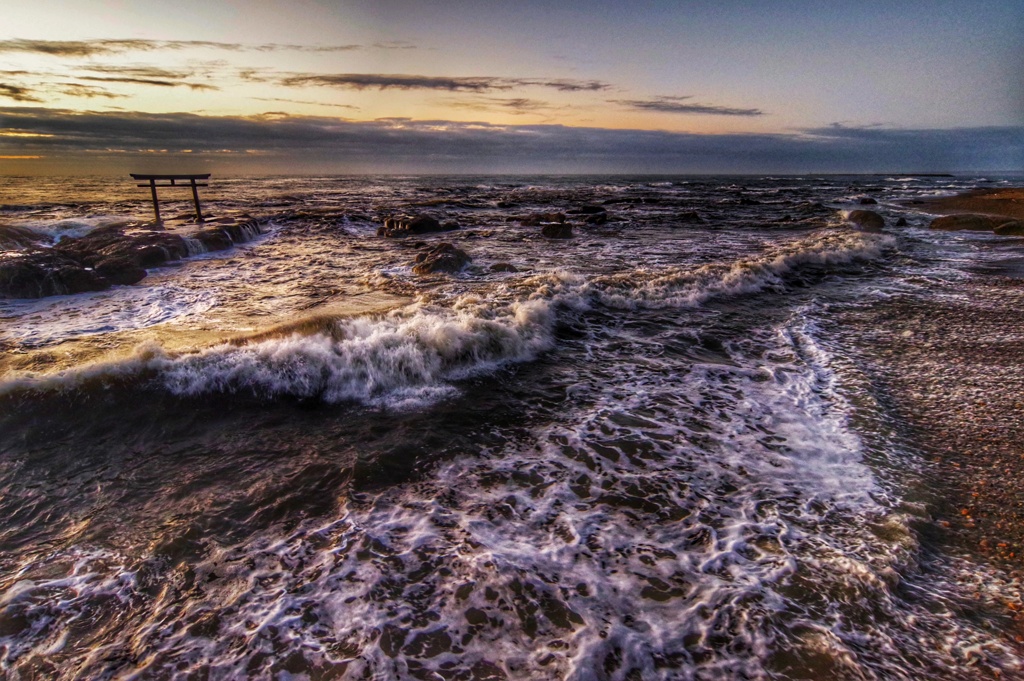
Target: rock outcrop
point(406, 225)
point(866, 220)
point(108, 256)
point(441, 258)
point(1010, 228)
point(964, 221)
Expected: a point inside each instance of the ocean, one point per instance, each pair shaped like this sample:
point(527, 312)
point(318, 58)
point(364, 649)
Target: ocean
point(655, 450)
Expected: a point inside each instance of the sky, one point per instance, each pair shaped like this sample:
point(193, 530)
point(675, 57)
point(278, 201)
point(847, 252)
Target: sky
point(419, 86)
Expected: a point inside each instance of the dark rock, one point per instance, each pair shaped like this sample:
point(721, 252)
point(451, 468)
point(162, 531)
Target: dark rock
point(38, 275)
point(867, 201)
point(108, 255)
point(1010, 228)
point(404, 225)
point(12, 237)
point(597, 219)
point(504, 267)
point(121, 270)
point(441, 258)
point(866, 220)
point(690, 217)
point(586, 210)
point(507, 204)
point(557, 231)
point(964, 221)
point(147, 249)
point(902, 222)
point(746, 201)
point(213, 239)
point(538, 219)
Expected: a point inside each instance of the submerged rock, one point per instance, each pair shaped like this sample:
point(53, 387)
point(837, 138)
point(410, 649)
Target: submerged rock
point(586, 210)
point(902, 222)
point(538, 219)
point(405, 225)
point(1010, 228)
point(504, 267)
point(441, 258)
point(867, 201)
point(866, 220)
point(964, 221)
point(557, 231)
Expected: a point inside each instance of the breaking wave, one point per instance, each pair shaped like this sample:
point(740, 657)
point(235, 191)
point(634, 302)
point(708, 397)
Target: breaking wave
point(412, 355)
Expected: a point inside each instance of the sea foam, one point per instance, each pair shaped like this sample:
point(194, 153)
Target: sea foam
point(413, 355)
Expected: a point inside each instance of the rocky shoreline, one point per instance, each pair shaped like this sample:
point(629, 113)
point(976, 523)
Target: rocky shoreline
point(117, 254)
point(951, 367)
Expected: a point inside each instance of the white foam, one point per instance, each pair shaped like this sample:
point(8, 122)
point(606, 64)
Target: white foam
point(58, 318)
point(410, 356)
point(687, 287)
point(72, 227)
point(406, 356)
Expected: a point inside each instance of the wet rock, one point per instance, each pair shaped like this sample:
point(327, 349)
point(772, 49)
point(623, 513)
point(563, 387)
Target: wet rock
point(557, 231)
point(39, 275)
point(121, 270)
point(404, 225)
point(538, 219)
point(441, 258)
point(213, 239)
point(1010, 228)
point(504, 267)
point(902, 222)
point(690, 217)
point(586, 210)
point(963, 221)
point(147, 249)
point(866, 220)
point(115, 254)
point(597, 219)
point(867, 201)
point(17, 238)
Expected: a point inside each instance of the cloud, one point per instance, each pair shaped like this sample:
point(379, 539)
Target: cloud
point(513, 105)
point(149, 81)
point(395, 81)
point(149, 72)
point(324, 144)
point(362, 81)
point(92, 48)
point(679, 105)
point(18, 93)
point(79, 90)
point(303, 101)
point(568, 85)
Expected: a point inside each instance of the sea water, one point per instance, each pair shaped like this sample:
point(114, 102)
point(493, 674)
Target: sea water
point(633, 454)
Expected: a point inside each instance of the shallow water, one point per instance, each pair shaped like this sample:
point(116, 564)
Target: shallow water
point(638, 456)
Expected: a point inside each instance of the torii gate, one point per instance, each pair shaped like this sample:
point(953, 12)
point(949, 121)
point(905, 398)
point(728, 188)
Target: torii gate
point(152, 184)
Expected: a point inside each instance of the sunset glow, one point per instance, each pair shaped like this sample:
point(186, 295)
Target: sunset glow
point(680, 69)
